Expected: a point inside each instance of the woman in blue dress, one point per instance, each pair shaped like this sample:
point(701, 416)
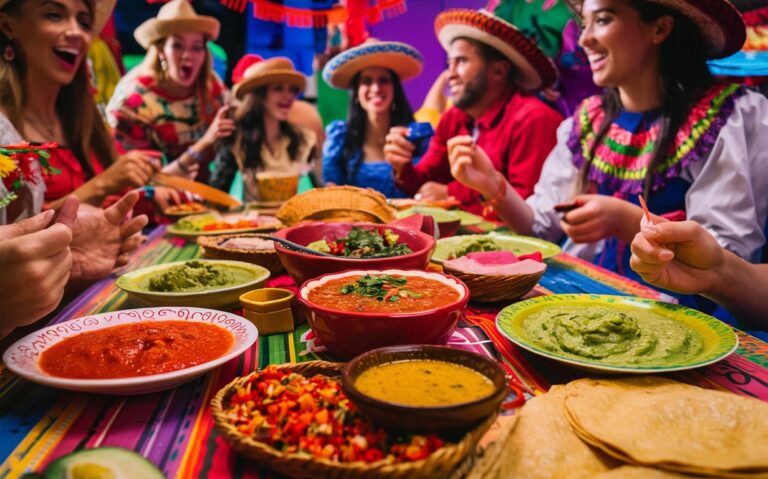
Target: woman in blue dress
point(353, 153)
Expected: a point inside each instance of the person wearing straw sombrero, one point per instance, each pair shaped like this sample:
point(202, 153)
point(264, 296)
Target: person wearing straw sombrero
point(494, 71)
point(173, 101)
point(373, 72)
point(267, 149)
point(664, 128)
point(46, 100)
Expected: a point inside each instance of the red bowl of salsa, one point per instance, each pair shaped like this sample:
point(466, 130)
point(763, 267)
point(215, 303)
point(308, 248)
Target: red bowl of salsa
point(358, 310)
point(303, 266)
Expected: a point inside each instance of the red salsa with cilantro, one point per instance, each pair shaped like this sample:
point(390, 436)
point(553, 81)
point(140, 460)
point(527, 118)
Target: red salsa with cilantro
point(311, 415)
point(383, 294)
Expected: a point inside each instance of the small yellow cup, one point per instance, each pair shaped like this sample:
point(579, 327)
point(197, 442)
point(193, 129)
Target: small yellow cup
point(269, 309)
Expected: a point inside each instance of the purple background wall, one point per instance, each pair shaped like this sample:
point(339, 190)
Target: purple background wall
point(416, 27)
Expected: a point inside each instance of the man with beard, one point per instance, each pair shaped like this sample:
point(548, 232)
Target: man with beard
point(493, 70)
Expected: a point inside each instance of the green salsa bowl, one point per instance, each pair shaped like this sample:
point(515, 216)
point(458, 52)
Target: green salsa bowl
point(705, 339)
point(245, 277)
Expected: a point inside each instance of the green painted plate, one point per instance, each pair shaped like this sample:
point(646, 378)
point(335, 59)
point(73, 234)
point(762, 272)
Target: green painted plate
point(517, 244)
point(266, 223)
point(467, 218)
point(718, 338)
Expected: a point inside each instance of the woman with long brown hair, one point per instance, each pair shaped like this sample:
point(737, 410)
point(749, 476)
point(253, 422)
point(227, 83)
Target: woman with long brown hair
point(173, 101)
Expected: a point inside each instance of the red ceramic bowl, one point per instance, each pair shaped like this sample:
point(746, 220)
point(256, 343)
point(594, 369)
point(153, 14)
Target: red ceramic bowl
point(349, 333)
point(304, 266)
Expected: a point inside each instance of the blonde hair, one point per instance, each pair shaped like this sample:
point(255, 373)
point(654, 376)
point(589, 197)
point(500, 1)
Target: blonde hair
point(205, 76)
point(85, 131)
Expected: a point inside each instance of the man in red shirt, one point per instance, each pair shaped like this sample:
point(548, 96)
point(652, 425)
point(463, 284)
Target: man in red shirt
point(493, 68)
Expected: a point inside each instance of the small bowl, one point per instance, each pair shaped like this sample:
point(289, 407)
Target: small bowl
point(269, 309)
point(434, 419)
point(349, 333)
point(304, 266)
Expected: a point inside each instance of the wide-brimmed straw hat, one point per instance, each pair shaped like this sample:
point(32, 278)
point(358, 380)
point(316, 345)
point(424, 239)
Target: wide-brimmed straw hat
point(102, 10)
point(176, 16)
point(718, 20)
point(534, 69)
point(253, 72)
point(401, 58)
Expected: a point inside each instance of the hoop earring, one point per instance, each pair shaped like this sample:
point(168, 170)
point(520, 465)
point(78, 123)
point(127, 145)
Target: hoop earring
point(9, 53)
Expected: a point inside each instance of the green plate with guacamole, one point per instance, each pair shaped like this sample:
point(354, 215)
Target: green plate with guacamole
point(618, 334)
point(199, 283)
point(519, 245)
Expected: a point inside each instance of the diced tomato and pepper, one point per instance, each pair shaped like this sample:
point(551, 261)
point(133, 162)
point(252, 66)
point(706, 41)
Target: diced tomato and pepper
point(223, 225)
point(296, 414)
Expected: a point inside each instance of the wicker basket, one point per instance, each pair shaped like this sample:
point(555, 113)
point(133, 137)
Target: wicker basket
point(439, 464)
point(212, 250)
point(337, 203)
point(492, 288)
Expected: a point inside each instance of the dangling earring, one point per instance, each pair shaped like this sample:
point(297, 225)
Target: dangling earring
point(164, 66)
point(9, 53)
point(392, 106)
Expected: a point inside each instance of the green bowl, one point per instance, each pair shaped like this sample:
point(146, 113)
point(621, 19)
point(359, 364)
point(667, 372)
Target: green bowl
point(223, 297)
point(719, 339)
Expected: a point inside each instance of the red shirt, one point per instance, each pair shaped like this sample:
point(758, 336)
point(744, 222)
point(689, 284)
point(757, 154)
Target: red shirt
point(72, 175)
point(517, 132)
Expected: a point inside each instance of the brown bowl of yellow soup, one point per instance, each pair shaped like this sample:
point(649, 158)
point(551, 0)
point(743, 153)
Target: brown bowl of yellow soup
point(423, 388)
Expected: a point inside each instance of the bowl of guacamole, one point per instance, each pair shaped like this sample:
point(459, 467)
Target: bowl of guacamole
point(201, 283)
point(616, 333)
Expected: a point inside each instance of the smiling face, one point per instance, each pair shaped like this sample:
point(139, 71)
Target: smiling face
point(376, 91)
point(52, 37)
point(185, 54)
point(466, 73)
point(279, 100)
point(621, 47)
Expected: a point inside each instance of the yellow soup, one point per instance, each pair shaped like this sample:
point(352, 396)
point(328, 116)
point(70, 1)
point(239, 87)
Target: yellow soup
point(424, 382)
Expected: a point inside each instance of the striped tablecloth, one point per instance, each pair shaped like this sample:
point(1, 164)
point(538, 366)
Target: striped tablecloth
point(174, 428)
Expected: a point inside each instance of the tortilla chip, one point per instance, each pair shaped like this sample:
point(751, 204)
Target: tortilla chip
point(543, 445)
point(660, 422)
point(635, 472)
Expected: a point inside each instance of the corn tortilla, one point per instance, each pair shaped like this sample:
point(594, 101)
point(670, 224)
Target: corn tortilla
point(663, 423)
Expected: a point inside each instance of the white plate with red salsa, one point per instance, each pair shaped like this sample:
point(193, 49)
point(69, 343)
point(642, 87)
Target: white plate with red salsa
point(134, 351)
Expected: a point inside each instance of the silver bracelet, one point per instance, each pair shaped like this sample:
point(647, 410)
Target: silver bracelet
point(197, 156)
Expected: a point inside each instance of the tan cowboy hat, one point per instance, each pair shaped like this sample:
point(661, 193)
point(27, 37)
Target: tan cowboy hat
point(266, 72)
point(718, 20)
point(535, 70)
point(401, 58)
point(102, 9)
point(176, 16)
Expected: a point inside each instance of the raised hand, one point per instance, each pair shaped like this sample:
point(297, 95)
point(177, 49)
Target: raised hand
point(35, 261)
point(398, 151)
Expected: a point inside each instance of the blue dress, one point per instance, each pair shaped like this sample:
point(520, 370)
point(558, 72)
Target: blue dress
point(376, 175)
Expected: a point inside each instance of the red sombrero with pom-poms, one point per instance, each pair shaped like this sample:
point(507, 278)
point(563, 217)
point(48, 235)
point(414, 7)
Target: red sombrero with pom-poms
point(535, 70)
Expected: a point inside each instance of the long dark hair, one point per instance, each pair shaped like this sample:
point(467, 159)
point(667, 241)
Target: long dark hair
point(357, 121)
point(85, 131)
point(250, 131)
point(684, 79)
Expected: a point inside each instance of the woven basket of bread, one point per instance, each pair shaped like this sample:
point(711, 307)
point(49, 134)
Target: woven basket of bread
point(439, 464)
point(337, 204)
point(491, 288)
point(213, 248)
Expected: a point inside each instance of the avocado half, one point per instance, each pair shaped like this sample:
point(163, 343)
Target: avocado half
point(102, 463)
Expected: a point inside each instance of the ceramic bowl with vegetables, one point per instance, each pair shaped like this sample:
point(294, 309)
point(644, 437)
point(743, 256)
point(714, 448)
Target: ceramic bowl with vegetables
point(354, 245)
point(358, 310)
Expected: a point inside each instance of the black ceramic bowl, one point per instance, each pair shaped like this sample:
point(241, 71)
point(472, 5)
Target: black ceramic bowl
point(435, 419)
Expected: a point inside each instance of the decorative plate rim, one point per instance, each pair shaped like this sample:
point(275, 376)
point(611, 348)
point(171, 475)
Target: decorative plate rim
point(131, 316)
point(510, 313)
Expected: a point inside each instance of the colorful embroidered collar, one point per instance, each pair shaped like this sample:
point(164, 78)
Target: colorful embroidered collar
point(621, 160)
point(17, 167)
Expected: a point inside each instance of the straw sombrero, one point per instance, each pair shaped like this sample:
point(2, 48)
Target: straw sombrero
point(719, 21)
point(102, 9)
point(535, 70)
point(176, 16)
point(258, 72)
point(401, 58)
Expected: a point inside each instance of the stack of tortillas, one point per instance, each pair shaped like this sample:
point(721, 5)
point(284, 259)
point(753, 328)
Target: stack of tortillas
point(657, 422)
point(632, 428)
